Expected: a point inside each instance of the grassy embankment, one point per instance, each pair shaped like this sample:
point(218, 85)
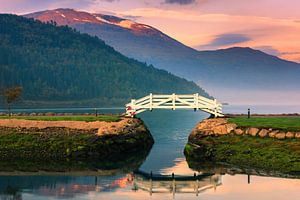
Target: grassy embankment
point(285, 124)
point(61, 144)
point(246, 151)
point(249, 152)
point(87, 118)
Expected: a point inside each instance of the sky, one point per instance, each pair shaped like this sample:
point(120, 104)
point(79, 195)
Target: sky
point(272, 26)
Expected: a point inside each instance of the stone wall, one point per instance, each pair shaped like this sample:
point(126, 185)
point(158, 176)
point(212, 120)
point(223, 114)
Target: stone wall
point(221, 126)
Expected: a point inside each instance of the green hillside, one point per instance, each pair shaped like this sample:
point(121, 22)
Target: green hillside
point(60, 66)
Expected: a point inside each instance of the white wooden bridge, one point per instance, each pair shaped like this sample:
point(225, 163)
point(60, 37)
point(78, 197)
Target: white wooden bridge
point(180, 184)
point(174, 101)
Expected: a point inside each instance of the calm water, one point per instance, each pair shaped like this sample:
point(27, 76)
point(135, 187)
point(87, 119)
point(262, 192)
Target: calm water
point(170, 130)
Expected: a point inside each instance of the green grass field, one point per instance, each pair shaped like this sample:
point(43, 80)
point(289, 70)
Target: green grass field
point(88, 118)
point(286, 124)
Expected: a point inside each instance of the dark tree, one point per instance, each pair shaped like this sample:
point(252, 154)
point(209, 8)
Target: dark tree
point(11, 95)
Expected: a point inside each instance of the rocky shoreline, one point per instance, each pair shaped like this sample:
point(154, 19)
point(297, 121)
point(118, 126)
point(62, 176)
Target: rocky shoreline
point(221, 126)
point(221, 142)
point(72, 140)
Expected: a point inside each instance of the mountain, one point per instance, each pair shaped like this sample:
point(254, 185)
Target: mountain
point(59, 65)
point(132, 39)
point(234, 73)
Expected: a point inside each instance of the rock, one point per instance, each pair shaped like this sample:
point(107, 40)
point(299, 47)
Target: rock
point(230, 127)
point(289, 135)
point(263, 133)
point(238, 131)
point(220, 130)
point(210, 123)
point(297, 135)
point(202, 126)
point(273, 133)
point(32, 114)
point(49, 114)
point(280, 135)
point(253, 131)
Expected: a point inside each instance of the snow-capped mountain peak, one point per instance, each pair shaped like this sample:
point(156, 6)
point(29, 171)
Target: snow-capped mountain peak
point(72, 17)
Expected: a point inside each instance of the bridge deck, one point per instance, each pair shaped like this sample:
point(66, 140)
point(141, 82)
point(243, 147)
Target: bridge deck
point(174, 101)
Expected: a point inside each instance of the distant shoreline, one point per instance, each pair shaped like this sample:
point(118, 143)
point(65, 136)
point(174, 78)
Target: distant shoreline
point(264, 115)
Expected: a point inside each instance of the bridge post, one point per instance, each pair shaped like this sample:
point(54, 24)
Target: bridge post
point(132, 112)
point(173, 185)
point(151, 101)
point(173, 101)
point(215, 107)
point(196, 101)
point(151, 184)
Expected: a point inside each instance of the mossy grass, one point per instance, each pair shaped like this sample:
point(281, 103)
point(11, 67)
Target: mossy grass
point(58, 143)
point(282, 123)
point(87, 118)
point(250, 152)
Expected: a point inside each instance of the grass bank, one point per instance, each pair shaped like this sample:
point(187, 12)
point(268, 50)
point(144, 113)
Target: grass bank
point(58, 140)
point(282, 123)
point(87, 118)
point(58, 143)
point(246, 151)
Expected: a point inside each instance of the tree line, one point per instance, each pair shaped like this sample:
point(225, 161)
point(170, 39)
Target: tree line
point(54, 63)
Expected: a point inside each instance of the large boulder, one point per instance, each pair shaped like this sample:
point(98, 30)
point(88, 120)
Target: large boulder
point(230, 127)
point(263, 133)
point(280, 135)
point(273, 133)
point(238, 131)
point(210, 123)
point(290, 135)
point(253, 131)
point(297, 135)
point(220, 130)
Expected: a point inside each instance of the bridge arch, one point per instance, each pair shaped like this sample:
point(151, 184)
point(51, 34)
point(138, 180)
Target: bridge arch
point(174, 101)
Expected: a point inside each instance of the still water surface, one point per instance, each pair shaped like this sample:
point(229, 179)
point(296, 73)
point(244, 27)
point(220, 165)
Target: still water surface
point(170, 130)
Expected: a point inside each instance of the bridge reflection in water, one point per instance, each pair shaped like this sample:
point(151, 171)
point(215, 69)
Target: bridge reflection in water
point(53, 186)
point(175, 184)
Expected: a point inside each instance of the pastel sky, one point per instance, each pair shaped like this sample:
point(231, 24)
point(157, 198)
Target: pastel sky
point(269, 25)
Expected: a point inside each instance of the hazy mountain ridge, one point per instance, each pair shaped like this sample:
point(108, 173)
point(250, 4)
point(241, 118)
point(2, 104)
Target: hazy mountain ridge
point(222, 70)
point(59, 64)
point(127, 37)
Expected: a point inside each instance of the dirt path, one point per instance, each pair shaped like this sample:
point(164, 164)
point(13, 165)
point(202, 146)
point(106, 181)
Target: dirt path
point(103, 127)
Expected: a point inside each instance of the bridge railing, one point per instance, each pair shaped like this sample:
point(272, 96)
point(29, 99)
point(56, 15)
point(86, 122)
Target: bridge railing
point(171, 184)
point(174, 101)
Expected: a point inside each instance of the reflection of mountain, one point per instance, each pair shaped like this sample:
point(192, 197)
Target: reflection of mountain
point(60, 186)
point(71, 186)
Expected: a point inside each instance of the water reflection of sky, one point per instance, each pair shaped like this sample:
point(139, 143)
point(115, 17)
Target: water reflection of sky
point(232, 188)
point(170, 130)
